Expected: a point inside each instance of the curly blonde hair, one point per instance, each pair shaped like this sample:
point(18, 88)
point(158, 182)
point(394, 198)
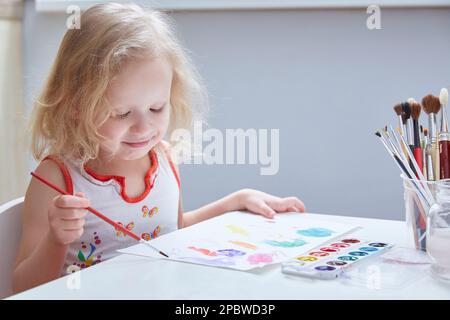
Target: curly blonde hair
point(72, 106)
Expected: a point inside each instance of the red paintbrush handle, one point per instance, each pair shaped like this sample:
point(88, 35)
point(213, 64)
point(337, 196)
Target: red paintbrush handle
point(114, 224)
point(418, 157)
point(444, 153)
point(98, 214)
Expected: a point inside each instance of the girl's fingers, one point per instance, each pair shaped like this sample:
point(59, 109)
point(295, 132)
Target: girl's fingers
point(299, 205)
point(277, 204)
point(280, 205)
point(286, 204)
point(264, 210)
point(70, 225)
point(72, 214)
point(74, 234)
point(68, 201)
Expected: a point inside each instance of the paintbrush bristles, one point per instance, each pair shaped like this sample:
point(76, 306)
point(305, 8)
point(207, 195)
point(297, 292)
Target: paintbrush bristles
point(404, 119)
point(415, 110)
point(398, 109)
point(406, 110)
point(443, 97)
point(431, 104)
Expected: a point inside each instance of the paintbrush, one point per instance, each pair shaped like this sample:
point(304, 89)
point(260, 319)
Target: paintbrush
point(409, 132)
point(424, 151)
point(431, 105)
point(415, 114)
point(443, 100)
point(429, 159)
point(404, 128)
point(444, 137)
point(398, 109)
point(422, 142)
point(417, 150)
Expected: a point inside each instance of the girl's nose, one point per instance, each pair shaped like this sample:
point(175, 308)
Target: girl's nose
point(141, 125)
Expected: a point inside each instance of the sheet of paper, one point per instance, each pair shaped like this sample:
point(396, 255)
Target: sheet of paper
point(241, 240)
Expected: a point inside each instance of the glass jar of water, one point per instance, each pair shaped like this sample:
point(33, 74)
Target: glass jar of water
point(438, 231)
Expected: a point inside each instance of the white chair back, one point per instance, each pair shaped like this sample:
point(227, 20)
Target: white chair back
point(10, 233)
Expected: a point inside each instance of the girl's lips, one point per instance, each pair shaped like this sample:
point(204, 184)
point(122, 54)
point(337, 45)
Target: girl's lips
point(137, 144)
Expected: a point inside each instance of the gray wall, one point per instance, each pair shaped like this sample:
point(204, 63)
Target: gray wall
point(320, 76)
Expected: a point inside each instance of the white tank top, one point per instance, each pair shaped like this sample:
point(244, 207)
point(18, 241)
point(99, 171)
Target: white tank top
point(152, 213)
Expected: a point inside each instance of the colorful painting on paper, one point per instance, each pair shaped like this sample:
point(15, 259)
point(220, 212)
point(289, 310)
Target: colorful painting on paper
point(243, 241)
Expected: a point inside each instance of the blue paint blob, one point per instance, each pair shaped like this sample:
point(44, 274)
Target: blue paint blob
point(358, 253)
point(348, 258)
point(286, 244)
point(369, 249)
point(315, 232)
point(230, 252)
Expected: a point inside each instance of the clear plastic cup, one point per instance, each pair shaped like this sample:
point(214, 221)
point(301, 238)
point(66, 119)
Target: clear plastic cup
point(416, 211)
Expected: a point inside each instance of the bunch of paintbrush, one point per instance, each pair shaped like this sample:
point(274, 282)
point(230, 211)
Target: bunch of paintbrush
point(422, 154)
point(430, 146)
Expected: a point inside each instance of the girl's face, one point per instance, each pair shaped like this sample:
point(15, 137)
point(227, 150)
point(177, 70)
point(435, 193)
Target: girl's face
point(140, 99)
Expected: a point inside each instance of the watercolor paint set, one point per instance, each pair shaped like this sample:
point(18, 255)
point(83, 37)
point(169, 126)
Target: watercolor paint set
point(331, 260)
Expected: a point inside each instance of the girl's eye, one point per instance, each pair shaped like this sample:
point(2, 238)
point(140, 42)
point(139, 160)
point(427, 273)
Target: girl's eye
point(123, 115)
point(158, 110)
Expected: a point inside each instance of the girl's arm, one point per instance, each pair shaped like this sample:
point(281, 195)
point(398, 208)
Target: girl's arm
point(40, 259)
point(231, 202)
point(246, 199)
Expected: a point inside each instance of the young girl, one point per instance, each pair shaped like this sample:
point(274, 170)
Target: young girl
point(118, 86)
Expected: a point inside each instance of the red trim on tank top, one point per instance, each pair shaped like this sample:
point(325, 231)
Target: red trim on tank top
point(121, 180)
point(64, 171)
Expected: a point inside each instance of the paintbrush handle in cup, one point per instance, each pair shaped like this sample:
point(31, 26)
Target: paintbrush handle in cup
point(444, 154)
point(435, 159)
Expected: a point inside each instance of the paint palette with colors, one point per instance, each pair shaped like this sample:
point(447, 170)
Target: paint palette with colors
point(330, 261)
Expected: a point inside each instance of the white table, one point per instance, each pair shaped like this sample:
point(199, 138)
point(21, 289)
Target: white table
point(134, 277)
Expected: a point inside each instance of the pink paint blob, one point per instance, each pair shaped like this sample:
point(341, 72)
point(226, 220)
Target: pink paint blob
point(340, 245)
point(259, 257)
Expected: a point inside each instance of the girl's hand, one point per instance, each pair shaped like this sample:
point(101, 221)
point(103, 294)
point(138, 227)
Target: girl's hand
point(66, 218)
point(266, 204)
